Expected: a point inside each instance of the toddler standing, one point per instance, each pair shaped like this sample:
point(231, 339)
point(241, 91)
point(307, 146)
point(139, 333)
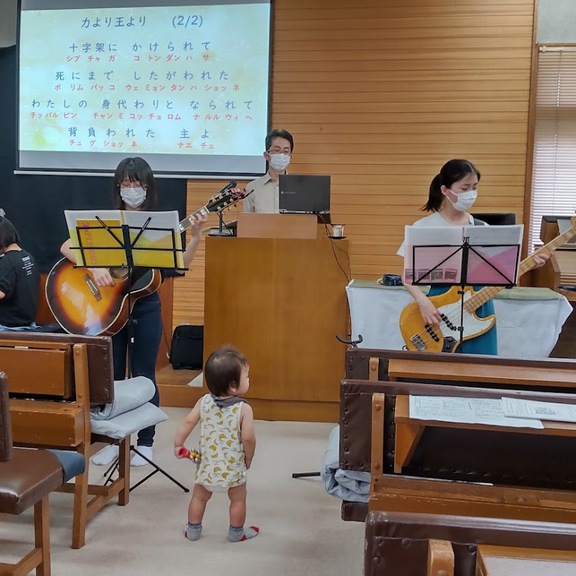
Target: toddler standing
point(227, 442)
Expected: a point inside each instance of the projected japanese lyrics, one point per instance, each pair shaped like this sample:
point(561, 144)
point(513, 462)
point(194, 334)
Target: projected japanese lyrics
point(150, 80)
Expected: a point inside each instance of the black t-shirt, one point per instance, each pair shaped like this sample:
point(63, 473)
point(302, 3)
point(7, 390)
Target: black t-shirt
point(19, 280)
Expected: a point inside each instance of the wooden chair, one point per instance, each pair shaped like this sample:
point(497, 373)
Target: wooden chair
point(26, 479)
point(52, 379)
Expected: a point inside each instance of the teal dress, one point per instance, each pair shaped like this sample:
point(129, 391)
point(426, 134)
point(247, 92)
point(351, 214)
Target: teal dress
point(487, 343)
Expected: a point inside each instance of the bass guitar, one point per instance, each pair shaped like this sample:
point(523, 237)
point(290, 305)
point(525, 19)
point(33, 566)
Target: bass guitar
point(82, 307)
point(445, 337)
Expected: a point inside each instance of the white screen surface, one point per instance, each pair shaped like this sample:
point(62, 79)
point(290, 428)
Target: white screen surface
point(184, 86)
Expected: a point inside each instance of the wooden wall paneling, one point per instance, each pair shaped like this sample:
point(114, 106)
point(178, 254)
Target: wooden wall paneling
point(380, 95)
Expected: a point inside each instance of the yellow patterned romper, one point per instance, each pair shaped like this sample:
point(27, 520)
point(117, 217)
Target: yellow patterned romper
point(222, 465)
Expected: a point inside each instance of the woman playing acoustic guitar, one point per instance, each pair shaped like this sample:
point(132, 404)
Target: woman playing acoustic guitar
point(135, 189)
point(452, 193)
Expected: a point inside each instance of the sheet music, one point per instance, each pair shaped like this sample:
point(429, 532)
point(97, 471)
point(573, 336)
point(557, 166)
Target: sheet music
point(437, 257)
point(434, 255)
point(518, 408)
point(493, 235)
point(486, 411)
point(102, 246)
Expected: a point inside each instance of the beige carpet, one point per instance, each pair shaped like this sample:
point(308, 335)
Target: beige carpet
point(301, 529)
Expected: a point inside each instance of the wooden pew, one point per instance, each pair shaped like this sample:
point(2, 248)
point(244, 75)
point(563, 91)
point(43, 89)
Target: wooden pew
point(53, 378)
point(438, 487)
point(415, 544)
point(396, 372)
point(367, 370)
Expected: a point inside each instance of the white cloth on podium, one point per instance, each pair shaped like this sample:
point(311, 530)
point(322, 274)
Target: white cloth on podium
point(528, 320)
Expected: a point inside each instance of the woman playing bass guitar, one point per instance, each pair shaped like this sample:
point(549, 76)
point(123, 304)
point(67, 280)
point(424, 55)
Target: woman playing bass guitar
point(452, 193)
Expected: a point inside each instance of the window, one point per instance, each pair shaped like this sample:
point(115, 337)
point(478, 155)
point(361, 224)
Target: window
point(554, 163)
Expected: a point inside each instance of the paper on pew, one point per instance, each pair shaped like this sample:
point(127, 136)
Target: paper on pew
point(517, 408)
point(487, 411)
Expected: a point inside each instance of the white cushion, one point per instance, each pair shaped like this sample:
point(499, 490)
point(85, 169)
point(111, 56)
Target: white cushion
point(129, 422)
point(128, 394)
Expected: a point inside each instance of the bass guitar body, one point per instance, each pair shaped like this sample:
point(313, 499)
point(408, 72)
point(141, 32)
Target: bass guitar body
point(445, 337)
point(82, 307)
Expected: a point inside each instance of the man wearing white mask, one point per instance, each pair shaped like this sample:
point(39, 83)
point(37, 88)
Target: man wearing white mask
point(263, 192)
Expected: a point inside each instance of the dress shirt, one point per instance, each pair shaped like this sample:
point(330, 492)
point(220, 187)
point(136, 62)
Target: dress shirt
point(264, 195)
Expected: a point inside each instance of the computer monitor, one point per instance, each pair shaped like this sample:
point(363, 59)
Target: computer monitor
point(497, 218)
point(304, 194)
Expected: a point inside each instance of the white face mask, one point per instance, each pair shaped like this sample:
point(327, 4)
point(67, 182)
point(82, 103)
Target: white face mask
point(279, 162)
point(464, 200)
point(133, 197)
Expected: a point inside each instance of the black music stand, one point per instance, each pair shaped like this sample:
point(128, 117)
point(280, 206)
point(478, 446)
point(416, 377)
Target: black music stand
point(485, 257)
point(126, 239)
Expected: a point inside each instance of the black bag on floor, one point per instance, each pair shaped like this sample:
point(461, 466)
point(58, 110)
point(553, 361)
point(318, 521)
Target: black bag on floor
point(186, 348)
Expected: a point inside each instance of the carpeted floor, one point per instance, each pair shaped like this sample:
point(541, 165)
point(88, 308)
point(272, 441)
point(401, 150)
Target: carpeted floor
point(301, 529)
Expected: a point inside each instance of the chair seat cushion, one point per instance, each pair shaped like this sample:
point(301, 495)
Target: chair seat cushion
point(27, 478)
point(130, 422)
point(72, 463)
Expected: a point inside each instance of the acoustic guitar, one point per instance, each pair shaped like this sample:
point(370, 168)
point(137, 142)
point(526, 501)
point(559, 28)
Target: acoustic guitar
point(445, 337)
point(82, 307)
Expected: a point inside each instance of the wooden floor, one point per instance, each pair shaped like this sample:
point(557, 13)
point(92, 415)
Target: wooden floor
point(174, 389)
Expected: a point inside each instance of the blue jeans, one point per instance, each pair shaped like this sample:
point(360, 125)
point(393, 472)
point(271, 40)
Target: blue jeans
point(146, 327)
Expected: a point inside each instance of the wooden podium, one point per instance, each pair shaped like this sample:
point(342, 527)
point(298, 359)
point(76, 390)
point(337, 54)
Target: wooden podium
point(281, 301)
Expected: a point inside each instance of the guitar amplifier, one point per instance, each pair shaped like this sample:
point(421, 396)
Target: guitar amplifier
point(186, 348)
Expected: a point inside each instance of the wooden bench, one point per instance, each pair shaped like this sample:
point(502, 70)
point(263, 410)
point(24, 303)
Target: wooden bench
point(416, 544)
point(53, 380)
point(368, 371)
point(472, 470)
point(396, 372)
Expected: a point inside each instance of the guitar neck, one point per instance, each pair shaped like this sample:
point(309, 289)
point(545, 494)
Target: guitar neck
point(482, 296)
point(183, 225)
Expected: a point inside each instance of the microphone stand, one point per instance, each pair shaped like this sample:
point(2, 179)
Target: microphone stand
point(223, 230)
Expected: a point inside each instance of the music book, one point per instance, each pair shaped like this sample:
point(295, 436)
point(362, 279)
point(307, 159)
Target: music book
point(435, 256)
point(98, 238)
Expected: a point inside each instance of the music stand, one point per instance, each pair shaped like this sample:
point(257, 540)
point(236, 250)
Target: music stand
point(473, 255)
point(127, 239)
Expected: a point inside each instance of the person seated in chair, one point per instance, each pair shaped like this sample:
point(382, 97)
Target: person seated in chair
point(19, 281)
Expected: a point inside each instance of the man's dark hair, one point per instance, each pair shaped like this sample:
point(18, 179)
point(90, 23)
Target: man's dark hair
point(279, 133)
point(223, 369)
point(8, 233)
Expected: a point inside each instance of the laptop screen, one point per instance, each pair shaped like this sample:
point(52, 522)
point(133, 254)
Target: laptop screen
point(304, 194)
